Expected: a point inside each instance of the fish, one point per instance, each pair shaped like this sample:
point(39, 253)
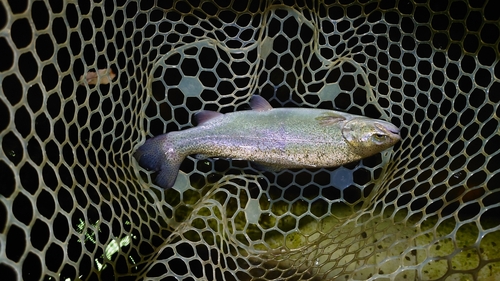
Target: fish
point(273, 138)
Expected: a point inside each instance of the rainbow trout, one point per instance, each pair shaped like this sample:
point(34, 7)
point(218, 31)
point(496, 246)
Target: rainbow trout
point(275, 138)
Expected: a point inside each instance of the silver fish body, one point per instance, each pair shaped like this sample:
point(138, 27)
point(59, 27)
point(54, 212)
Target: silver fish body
point(274, 137)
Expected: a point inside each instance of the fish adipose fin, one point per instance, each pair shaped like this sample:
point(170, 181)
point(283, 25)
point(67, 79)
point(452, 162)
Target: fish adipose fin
point(158, 154)
point(258, 103)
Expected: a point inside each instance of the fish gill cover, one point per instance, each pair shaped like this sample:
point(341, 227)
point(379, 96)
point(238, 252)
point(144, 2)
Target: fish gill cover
point(83, 83)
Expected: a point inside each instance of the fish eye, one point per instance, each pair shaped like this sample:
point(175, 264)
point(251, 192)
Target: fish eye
point(379, 137)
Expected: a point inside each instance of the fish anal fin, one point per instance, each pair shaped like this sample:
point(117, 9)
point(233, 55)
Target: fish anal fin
point(258, 103)
point(206, 115)
point(329, 118)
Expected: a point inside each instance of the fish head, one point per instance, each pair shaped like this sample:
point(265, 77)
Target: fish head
point(367, 136)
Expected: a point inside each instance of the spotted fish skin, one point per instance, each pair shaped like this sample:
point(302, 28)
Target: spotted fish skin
point(277, 138)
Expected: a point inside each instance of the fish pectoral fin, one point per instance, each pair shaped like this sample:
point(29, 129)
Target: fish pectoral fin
point(266, 167)
point(330, 119)
point(206, 115)
point(258, 103)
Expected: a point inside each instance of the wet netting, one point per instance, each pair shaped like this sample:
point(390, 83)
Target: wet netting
point(84, 83)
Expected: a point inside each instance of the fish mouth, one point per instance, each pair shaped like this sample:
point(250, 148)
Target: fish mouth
point(389, 129)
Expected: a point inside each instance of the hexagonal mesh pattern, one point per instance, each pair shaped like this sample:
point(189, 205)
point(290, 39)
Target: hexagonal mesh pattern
point(75, 205)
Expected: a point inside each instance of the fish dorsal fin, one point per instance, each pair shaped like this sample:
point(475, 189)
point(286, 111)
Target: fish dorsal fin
point(330, 118)
point(203, 116)
point(258, 103)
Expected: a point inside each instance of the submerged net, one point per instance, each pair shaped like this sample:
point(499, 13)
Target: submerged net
point(75, 205)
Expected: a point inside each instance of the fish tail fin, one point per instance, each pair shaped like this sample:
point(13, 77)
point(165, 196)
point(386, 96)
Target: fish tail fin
point(160, 155)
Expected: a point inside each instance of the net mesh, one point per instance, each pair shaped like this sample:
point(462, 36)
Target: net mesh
point(74, 204)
